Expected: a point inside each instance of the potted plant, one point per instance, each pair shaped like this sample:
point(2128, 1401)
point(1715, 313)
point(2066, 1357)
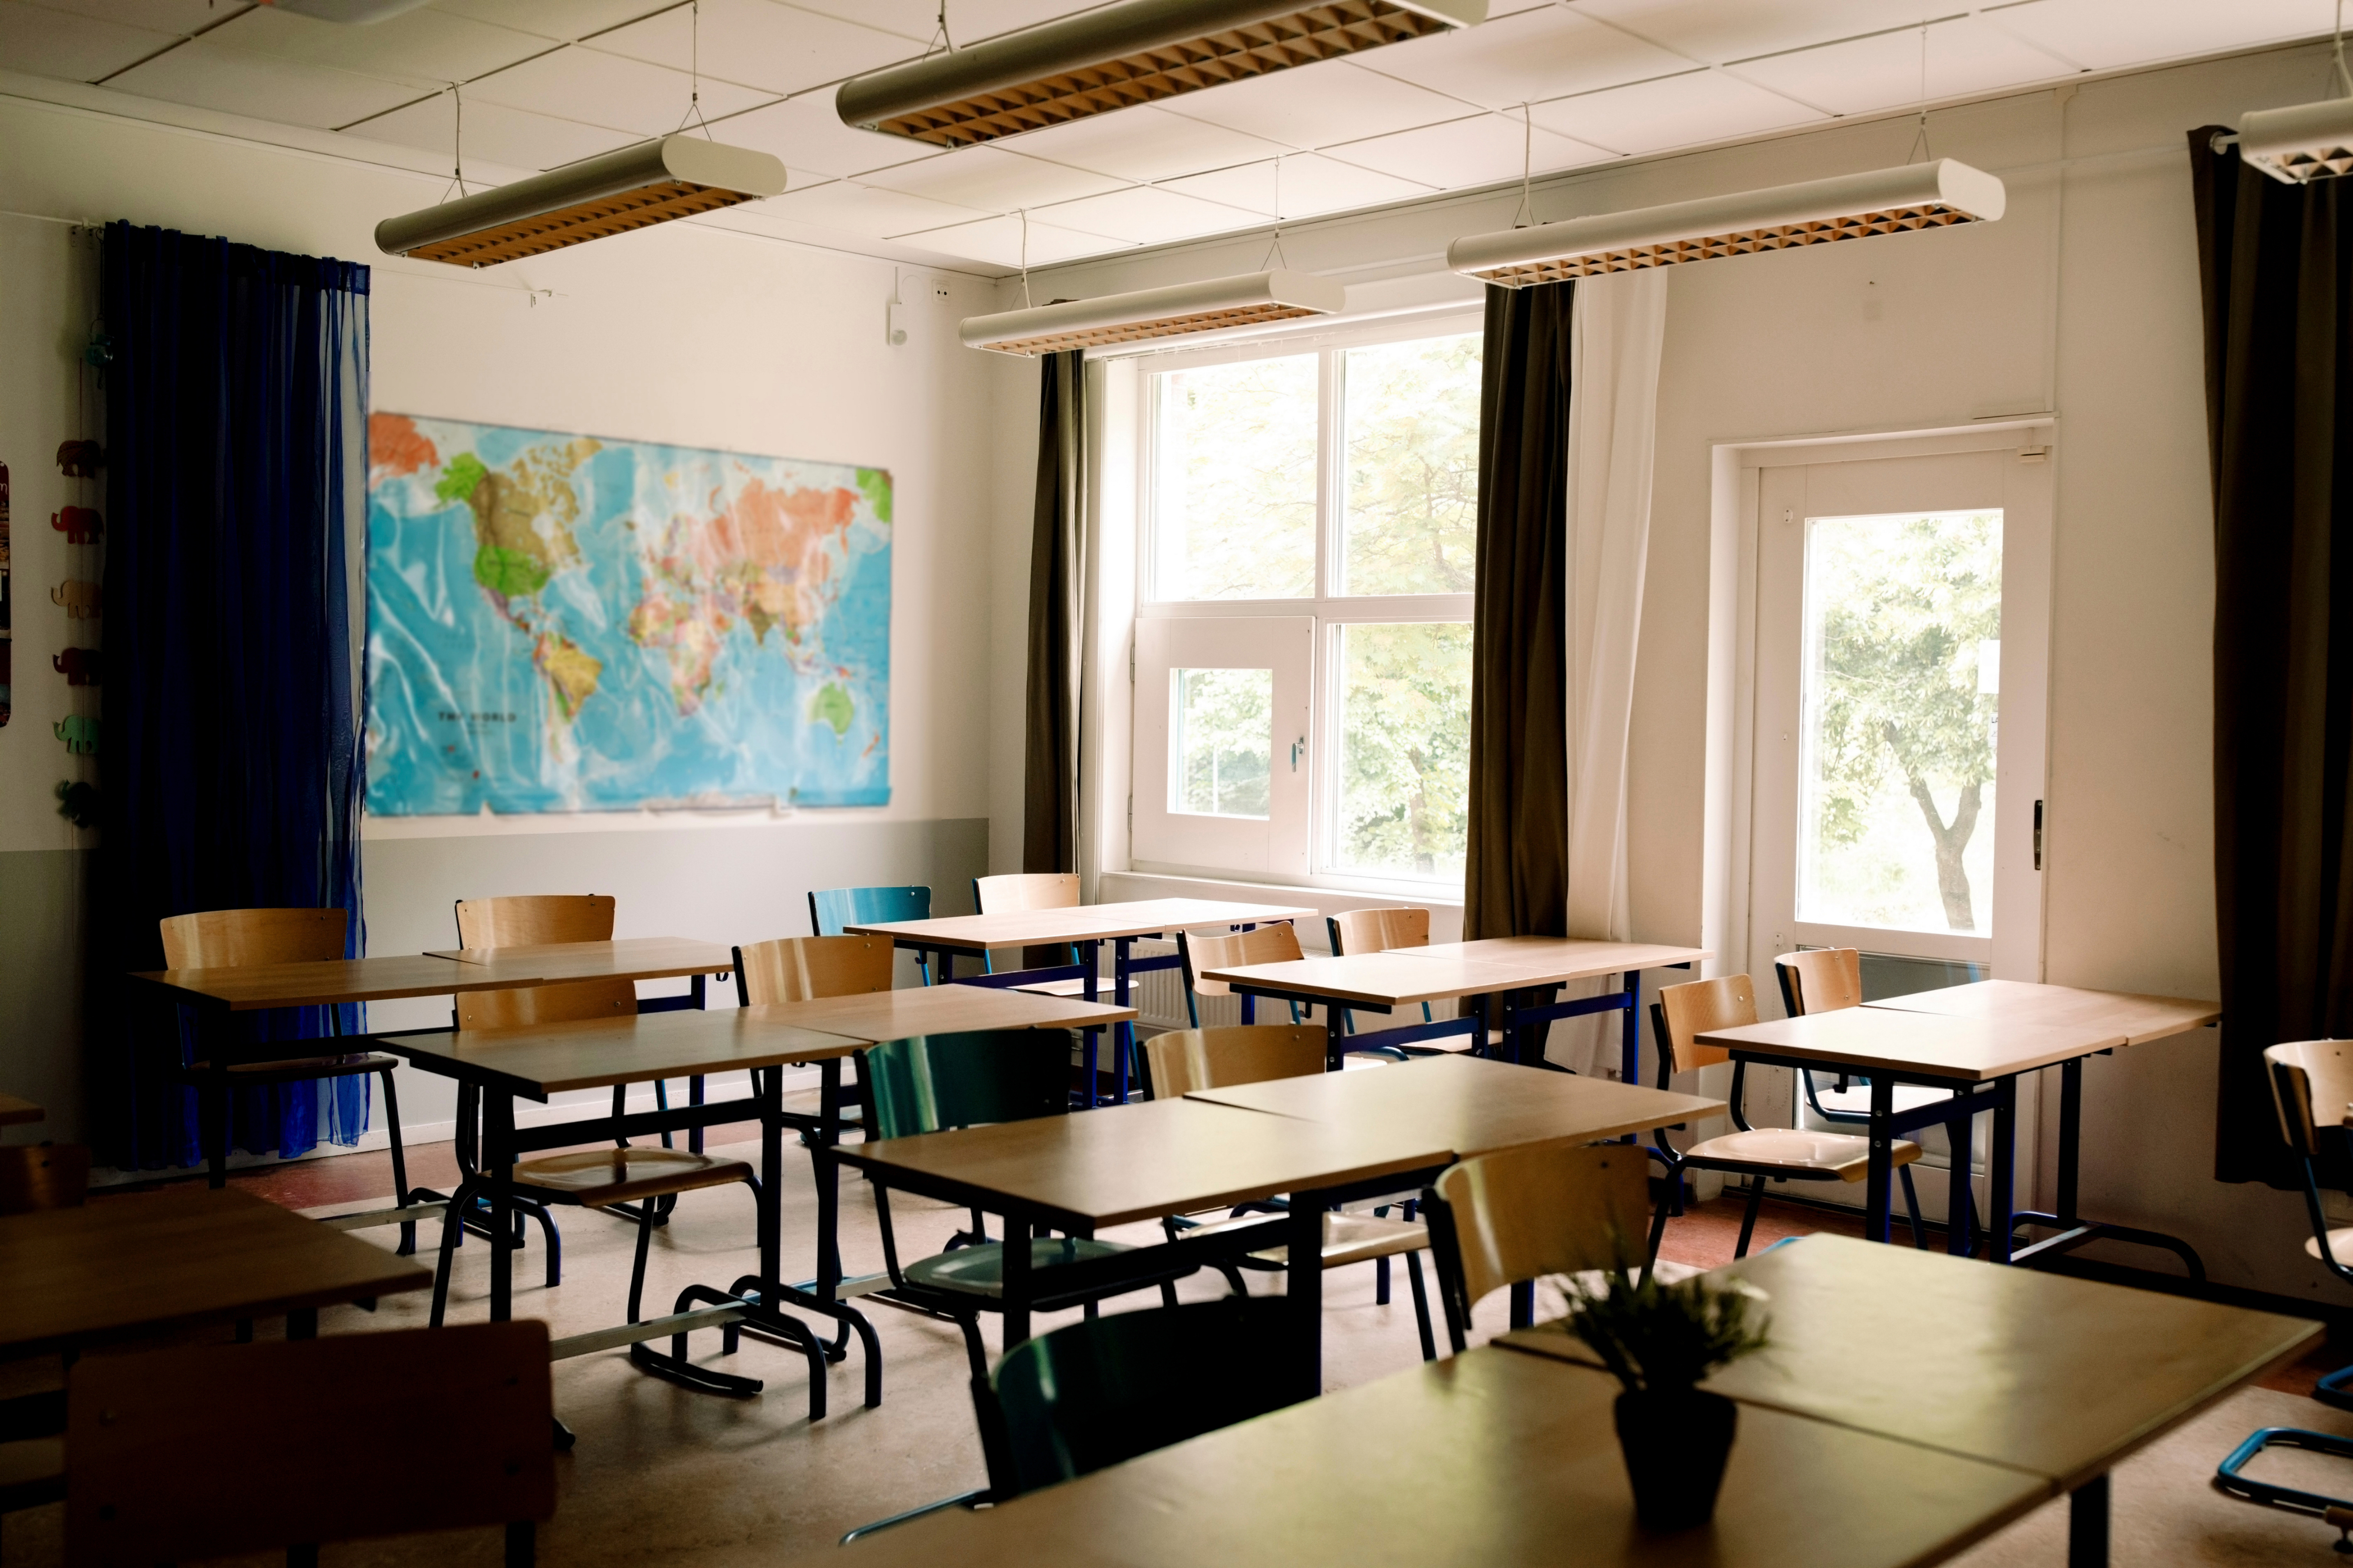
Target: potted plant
point(1661, 1340)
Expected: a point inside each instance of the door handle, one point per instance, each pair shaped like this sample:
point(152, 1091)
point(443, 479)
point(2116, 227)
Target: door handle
point(1296, 747)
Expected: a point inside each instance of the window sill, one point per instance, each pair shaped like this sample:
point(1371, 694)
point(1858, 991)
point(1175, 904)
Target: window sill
point(1445, 911)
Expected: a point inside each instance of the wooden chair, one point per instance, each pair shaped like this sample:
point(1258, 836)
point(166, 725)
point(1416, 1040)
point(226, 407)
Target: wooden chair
point(1185, 1059)
point(1032, 891)
point(449, 1428)
point(1384, 930)
point(800, 968)
point(32, 1454)
point(1761, 1154)
point(1509, 1219)
point(833, 910)
point(1277, 943)
point(233, 939)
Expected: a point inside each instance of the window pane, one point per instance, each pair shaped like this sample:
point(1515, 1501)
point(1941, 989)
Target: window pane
point(1412, 516)
point(1224, 724)
point(1235, 473)
point(1405, 758)
point(1902, 680)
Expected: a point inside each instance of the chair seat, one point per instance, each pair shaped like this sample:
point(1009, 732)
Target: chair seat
point(1347, 1238)
point(2340, 1245)
point(1786, 1151)
point(1074, 987)
point(1856, 1102)
point(295, 1069)
point(980, 1270)
point(597, 1177)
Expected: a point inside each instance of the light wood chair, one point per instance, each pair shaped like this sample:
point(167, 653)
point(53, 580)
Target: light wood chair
point(450, 1426)
point(1680, 1014)
point(1385, 931)
point(234, 939)
point(1509, 1219)
point(1185, 1059)
point(802, 968)
point(43, 1176)
point(1200, 950)
point(1018, 891)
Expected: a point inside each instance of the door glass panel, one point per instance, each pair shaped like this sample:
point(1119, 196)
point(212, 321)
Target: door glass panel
point(1901, 692)
point(1234, 512)
point(1220, 742)
point(1404, 749)
point(1411, 520)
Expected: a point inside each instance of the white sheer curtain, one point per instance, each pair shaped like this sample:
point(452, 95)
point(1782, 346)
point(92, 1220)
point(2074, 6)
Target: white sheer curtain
point(1615, 338)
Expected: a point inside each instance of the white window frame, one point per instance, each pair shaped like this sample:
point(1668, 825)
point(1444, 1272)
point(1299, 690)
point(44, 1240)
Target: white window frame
point(1311, 862)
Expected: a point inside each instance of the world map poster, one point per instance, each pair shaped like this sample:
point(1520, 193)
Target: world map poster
point(559, 623)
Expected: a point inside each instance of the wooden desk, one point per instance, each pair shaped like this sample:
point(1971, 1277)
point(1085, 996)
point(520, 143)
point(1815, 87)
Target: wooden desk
point(255, 986)
point(124, 1265)
point(2059, 1377)
point(1127, 1163)
point(14, 1111)
point(940, 1009)
point(1515, 1465)
point(635, 958)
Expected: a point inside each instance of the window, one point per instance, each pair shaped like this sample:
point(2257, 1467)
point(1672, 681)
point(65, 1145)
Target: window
point(1302, 681)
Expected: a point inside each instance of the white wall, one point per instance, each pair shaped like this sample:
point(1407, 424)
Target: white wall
point(2083, 300)
point(687, 334)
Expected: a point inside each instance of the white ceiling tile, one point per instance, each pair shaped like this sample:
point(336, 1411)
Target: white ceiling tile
point(237, 83)
point(1963, 55)
point(1304, 184)
point(494, 134)
point(759, 43)
point(1317, 105)
point(1142, 143)
point(862, 209)
point(563, 20)
point(427, 45)
point(1720, 30)
point(181, 16)
point(1478, 150)
point(1539, 53)
point(806, 133)
point(992, 180)
point(1148, 215)
point(2101, 34)
point(583, 83)
point(1674, 111)
point(998, 240)
point(75, 49)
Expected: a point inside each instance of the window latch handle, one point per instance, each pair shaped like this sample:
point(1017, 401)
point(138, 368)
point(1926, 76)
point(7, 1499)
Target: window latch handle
point(1296, 747)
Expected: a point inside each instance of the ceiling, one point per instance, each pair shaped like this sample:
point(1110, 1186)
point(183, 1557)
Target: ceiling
point(549, 81)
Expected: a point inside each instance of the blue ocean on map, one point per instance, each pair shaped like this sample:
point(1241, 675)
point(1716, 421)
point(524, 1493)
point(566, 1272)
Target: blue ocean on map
point(563, 623)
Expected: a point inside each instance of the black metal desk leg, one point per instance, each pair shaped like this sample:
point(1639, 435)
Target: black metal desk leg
point(213, 1028)
point(772, 1185)
point(497, 1165)
point(1629, 1049)
point(1303, 1289)
point(1959, 1202)
point(2087, 1525)
point(1882, 1158)
point(1017, 1279)
point(2001, 1174)
point(2070, 1139)
point(829, 1183)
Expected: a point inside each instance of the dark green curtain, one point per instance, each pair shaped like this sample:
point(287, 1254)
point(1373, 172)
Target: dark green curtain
point(2275, 262)
point(1050, 774)
point(1515, 878)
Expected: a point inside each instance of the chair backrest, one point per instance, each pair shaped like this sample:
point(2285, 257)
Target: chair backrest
point(1527, 1212)
point(929, 1082)
point(230, 939)
point(1820, 980)
point(43, 1176)
point(1067, 1403)
point(832, 909)
point(531, 919)
point(1378, 930)
point(1684, 1011)
point(367, 1435)
point(1026, 890)
point(797, 968)
point(1185, 1059)
point(568, 1003)
point(2312, 1083)
point(1259, 945)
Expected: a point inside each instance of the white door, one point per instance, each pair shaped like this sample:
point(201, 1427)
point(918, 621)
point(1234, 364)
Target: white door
point(1221, 732)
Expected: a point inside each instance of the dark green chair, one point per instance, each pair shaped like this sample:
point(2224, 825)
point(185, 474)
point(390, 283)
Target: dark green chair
point(931, 1083)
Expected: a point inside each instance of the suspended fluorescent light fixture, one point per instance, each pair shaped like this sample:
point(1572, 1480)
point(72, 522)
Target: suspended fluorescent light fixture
point(654, 181)
point(1252, 299)
point(353, 13)
point(1850, 206)
point(2309, 142)
point(1134, 52)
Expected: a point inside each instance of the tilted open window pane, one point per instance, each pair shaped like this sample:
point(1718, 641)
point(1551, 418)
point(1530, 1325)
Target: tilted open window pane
point(1412, 508)
point(1404, 738)
point(1221, 741)
point(1901, 696)
point(1234, 511)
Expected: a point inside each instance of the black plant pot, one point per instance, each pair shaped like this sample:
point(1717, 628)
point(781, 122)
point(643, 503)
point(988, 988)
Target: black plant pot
point(1675, 1441)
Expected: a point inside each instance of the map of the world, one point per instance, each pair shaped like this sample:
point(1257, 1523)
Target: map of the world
point(559, 623)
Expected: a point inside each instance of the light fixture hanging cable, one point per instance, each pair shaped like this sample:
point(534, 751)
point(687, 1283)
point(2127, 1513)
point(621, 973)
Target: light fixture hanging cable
point(2344, 77)
point(1920, 141)
point(694, 71)
point(940, 35)
point(1025, 257)
point(1527, 213)
point(458, 143)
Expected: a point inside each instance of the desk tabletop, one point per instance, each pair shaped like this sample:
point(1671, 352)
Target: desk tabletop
point(1515, 1465)
point(633, 958)
point(1928, 1044)
point(1125, 1162)
point(2137, 1017)
point(1079, 922)
point(251, 986)
point(1393, 979)
point(2060, 1377)
point(536, 1060)
point(14, 1110)
point(1552, 960)
point(166, 1260)
point(942, 1009)
point(1470, 1106)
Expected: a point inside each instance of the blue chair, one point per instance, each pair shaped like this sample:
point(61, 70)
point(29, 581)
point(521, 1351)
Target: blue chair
point(834, 909)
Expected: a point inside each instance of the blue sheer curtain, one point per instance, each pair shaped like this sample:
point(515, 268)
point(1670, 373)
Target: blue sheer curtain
point(230, 768)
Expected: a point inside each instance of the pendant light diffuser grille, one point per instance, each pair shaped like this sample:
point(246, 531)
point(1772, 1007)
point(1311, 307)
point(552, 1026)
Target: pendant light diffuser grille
point(2309, 142)
point(1139, 51)
point(1852, 206)
point(1211, 306)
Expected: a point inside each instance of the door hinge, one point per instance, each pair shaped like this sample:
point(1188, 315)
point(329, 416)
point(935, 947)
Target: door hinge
point(2037, 835)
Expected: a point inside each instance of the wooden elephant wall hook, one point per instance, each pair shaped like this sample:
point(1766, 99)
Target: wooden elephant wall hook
point(81, 460)
point(79, 733)
point(82, 599)
point(80, 666)
point(79, 524)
